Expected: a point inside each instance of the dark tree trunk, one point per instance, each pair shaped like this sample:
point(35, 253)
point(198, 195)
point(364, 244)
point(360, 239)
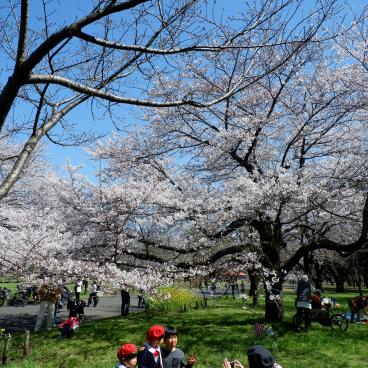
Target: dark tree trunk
point(339, 274)
point(365, 277)
point(340, 284)
point(254, 281)
point(359, 282)
point(274, 309)
point(308, 263)
point(318, 276)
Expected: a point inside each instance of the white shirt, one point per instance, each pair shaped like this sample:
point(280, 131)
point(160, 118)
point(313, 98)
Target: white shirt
point(79, 286)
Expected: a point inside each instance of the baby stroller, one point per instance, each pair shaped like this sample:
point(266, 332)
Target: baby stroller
point(76, 308)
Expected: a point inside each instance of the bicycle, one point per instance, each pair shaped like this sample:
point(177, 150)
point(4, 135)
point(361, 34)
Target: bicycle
point(336, 321)
point(19, 299)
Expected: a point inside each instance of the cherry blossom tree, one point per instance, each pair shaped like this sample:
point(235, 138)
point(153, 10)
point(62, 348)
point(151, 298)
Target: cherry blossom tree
point(107, 54)
point(284, 162)
point(252, 150)
point(38, 245)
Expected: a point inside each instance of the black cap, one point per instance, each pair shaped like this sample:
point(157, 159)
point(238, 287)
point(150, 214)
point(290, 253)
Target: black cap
point(260, 357)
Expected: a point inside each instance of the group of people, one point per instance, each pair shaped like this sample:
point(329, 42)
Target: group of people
point(52, 298)
point(4, 294)
point(160, 351)
point(308, 301)
point(94, 291)
point(152, 354)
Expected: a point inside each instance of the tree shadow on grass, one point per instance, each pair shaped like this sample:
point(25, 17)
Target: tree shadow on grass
point(15, 323)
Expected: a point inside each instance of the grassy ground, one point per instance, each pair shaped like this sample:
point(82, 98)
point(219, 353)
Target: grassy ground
point(10, 285)
point(223, 329)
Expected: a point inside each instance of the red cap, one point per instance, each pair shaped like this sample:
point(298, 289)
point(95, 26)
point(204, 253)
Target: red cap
point(155, 332)
point(127, 351)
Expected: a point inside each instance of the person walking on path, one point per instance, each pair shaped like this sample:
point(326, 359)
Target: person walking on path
point(85, 284)
point(125, 301)
point(93, 295)
point(78, 289)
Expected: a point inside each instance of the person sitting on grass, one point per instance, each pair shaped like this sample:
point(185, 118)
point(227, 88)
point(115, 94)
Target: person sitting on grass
point(258, 357)
point(127, 356)
point(174, 357)
point(150, 356)
point(68, 327)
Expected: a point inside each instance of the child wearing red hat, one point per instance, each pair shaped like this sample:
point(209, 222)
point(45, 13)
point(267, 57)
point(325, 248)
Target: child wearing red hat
point(150, 356)
point(127, 355)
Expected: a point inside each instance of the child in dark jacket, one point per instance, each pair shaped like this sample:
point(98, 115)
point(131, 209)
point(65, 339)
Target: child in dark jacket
point(150, 356)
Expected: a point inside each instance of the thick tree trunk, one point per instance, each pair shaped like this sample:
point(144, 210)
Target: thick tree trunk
point(340, 284)
point(308, 263)
point(359, 282)
point(274, 308)
point(365, 277)
point(318, 276)
point(339, 275)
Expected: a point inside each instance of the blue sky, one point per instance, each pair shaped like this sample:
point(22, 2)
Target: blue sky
point(58, 155)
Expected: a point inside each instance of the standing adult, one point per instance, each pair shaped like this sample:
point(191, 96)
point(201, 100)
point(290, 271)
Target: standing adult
point(303, 302)
point(78, 289)
point(242, 287)
point(49, 296)
point(233, 289)
point(125, 301)
point(93, 295)
point(85, 284)
point(141, 301)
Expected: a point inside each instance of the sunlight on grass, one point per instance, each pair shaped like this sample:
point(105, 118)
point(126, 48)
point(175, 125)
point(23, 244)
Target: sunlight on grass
point(223, 329)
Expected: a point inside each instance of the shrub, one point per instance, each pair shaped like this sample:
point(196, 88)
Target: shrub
point(172, 299)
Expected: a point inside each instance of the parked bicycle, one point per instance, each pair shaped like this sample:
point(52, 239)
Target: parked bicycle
point(19, 299)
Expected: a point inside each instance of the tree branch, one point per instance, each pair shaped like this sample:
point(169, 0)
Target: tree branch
point(22, 34)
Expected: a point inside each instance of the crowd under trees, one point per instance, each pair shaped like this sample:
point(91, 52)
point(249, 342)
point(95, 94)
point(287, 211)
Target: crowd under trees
point(247, 148)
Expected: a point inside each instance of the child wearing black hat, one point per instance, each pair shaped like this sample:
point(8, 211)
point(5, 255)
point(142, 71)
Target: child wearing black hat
point(258, 357)
point(174, 357)
point(261, 357)
point(127, 355)
point(150, 356)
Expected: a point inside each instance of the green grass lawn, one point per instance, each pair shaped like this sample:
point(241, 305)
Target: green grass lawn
point(10, 285)
point(223, 329)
